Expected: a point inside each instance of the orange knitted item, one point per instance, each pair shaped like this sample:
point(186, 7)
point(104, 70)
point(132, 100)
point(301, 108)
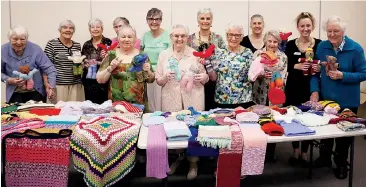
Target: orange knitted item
point(273, 129)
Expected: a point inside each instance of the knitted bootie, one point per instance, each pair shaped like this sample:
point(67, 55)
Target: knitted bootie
point(30, 84)
point(192, 173)
point(74, 70)
point(80, 70)
point(89, 75)
point(94, 74)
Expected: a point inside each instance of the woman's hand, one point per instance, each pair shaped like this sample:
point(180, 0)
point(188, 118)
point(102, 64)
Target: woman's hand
point(302, 66)
point(335, 75)
point(50, 93)
point(314, 97)
point(114, 64)
point(200, 78)
point(170, 75)
point(16, 81)
point(147, 67)
point(316, 67)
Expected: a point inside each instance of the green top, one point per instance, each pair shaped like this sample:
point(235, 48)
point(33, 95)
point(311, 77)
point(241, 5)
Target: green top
point(153, 46)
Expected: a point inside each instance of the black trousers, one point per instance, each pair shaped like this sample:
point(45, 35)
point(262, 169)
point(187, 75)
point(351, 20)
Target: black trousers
point(304, 145)
point(95, 92)
point(210, 95)
point(26, 96)
point(232, 106)
point(341, 149)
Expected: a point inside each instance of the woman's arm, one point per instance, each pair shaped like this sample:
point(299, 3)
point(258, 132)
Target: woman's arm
point(161, 79)
point(104, 72)
point(359, 67)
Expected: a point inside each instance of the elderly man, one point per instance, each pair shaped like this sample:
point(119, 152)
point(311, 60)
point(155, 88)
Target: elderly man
point(341, 85)
point(20, 56)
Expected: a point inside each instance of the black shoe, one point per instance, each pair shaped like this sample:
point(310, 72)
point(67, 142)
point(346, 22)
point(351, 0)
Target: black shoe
point(272, 159)
point(322, 162)
point(293, 161)
point(341, 172)
point(302, 162)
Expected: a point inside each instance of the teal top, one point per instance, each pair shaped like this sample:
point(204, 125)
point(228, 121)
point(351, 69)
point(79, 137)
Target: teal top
point(153, 46)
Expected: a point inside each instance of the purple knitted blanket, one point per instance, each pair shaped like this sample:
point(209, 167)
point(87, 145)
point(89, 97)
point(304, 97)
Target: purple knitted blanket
point(157, 165)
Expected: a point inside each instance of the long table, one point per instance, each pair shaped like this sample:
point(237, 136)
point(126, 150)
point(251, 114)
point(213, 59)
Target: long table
point(322, 132)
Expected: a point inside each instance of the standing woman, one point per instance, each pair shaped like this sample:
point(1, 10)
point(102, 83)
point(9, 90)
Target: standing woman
point(95, 92)
point(255, 40)
point(153, 42)
point(118, 23)
point(68, 85)
point(298, 86)
point(206, 36)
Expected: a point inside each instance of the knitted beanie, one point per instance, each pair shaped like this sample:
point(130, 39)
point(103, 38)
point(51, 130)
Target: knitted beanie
point(347, 113)
point(260, 109)
point(247, 117)
point(239, 110)
point(265, 119)
point(273, 129)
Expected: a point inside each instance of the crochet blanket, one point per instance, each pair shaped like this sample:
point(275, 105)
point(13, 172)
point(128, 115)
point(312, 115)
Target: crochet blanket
point(177, 131)
point(157, 165)
point(195, 148)
point(229, 161)
point(34, 159)
point(214, 136)
point(104, 149)
point(254, 151)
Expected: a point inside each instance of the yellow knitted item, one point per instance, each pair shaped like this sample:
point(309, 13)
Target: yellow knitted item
point(330, 104)
point(27, 115)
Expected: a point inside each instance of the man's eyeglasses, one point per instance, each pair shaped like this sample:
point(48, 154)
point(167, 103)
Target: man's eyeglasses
point(154, 19)
point(236, 36)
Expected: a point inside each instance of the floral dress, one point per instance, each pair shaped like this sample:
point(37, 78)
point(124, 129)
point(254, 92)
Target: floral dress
point(261, 85)
point(124, 85)
point(216, 39)
point(232, 86)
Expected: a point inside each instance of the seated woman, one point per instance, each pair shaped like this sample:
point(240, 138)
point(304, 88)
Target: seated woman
point(19, 51)
point(261, 85)
point(175, 64)
point(124, 84)
point(229, 68)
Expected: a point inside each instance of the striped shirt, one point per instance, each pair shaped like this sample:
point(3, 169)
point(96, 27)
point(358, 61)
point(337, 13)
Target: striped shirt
point(57, 52)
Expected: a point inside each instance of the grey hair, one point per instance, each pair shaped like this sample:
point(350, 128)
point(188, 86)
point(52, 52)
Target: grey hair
point(65, 23)
point(236, 26)
point(18, 30)
point(118, 19)
point(126, 27)
point(204, 11)
point(273, 33)
point(154, 12)
point(257, 16)
point(335, 19)
point(180, 26)
point(94, 22)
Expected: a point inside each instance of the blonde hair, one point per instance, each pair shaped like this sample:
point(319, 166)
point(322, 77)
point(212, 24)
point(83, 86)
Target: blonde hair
point(304, 15)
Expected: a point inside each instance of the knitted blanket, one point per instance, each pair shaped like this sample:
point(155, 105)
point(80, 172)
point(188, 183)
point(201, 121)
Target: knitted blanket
point(33, 159)
point(254, 151)
point(157, 153)
point(104, 149)
point(295, 128)
point(214, 136)
point(247, 117)
point(312, 120)
point(6, 108)
point(195, 148)
point(22, 125)
point(62, 121)
point(349, 126)
point(45, 111)
point(125, 106)
point(229, 161)
point(177, 131)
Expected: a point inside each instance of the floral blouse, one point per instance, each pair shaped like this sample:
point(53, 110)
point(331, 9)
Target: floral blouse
point(261, 85)
point(232, 85)
point(216, 39)
point(123, 84)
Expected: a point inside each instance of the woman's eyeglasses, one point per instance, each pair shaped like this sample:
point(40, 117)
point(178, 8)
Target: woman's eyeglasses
point(177, 36)
point(154, 19)
point(236, 36)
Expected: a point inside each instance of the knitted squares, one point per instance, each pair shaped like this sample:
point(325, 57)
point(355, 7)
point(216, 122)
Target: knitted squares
point(247, 117)
point(347, 113)
point(205, 120)
point(273, 129)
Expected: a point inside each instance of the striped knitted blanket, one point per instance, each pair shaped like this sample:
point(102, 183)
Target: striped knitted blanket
point(104, 148)
point(37, 159)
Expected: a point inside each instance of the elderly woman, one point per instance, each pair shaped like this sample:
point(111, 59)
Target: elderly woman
point(17, 54)
point(153, 42)
point(175, 65)
point(229, 68)
point(125, 85)
point(254, 41)
point(341, 85)
point(118, 23)
point(68, 82)
point(95, 92)
point(202, 37)
point(298, 85)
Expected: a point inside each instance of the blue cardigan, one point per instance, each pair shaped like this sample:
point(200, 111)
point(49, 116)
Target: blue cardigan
point(352, 63)
point(34, 57)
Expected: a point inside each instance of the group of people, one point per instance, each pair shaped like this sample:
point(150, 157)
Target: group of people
point(161, 72)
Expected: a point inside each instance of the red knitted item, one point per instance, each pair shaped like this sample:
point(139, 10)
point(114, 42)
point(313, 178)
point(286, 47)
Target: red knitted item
point(128, 106)
point(229, 161)
point(239, 110)
point(276, 96)
point(45, 111)
point(280, 110)
point(273, 129)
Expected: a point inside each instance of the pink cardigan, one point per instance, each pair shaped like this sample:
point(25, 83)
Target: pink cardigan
point(137, 44)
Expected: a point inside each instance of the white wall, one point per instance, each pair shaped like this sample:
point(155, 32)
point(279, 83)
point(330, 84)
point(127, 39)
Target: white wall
point(43, 17)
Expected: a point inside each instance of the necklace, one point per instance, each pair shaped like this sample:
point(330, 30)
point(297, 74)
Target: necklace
point(298, 45)
point(200, 42)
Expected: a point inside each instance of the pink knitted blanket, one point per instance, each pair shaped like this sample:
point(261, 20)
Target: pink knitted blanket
point(157, 152)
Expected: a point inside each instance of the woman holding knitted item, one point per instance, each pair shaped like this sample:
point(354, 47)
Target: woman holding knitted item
point(153, 43)
point(254, 41)
point(126, 69)
point(298, 84)
point(205, 37)
point(229, 68)
point(340, 84)
point(95, 92)
point(117, 24)
point(66, 55)
point(174, 64)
